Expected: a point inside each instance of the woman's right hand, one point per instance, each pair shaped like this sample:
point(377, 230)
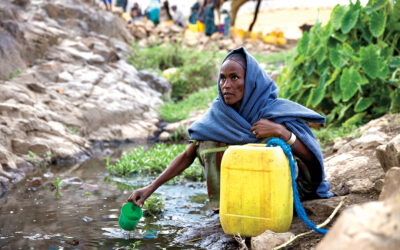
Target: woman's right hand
point(139, 196)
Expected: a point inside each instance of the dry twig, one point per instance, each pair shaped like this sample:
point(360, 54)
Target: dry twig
point(287, 243)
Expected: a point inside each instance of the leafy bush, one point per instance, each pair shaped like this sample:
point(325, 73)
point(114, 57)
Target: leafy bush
point(349, 69)
point(195, 69)
point(172, 112)
point(152, 161)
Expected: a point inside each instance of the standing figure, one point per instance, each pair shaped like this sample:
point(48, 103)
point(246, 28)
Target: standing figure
point(209, 17)
point(153, 11)
point(194, 13)
point(107, 4)
point(179, 18)
point(227, 23)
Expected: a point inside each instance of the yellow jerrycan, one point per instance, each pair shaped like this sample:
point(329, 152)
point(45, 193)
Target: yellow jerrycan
point(256, 192)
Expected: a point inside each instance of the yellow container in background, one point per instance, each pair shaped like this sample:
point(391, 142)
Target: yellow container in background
point(256, 192)
point(201, 27)
point(192, 27)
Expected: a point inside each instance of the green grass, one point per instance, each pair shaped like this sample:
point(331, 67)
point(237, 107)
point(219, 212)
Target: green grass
point(196, 69)
point(172, 112)
point(152, 162)
point(273, 58)
point(328, 135)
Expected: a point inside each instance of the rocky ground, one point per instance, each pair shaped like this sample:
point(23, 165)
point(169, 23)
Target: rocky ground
point(66, 82)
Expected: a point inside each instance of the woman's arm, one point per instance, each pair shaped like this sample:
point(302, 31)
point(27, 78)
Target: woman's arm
point(266, 128)
point(180, 163)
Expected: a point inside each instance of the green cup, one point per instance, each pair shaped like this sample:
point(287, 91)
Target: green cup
point(130, 216)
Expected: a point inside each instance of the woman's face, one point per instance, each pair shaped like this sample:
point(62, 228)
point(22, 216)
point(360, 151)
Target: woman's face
point(231, 82)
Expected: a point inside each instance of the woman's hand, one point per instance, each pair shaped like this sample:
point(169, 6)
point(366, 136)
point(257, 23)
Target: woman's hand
point(139, 196)
point(266, 128)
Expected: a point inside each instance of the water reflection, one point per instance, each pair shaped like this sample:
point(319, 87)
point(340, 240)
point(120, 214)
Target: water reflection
point(86, 214)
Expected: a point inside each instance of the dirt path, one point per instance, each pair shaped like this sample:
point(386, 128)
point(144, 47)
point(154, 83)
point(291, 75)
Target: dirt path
point(288, 20)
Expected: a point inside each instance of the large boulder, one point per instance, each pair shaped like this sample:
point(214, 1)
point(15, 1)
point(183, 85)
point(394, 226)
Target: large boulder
point(374, 225)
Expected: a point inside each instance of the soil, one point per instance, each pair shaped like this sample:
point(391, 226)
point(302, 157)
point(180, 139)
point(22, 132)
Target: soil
point(287, 20)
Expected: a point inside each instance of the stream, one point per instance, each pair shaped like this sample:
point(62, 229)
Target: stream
point(86, 215)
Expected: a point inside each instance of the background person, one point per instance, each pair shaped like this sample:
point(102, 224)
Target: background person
point(107, 4)
point(178, 18)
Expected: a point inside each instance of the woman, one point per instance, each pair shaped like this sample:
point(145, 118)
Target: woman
point(153, 11)
point(248, 110)
point(209, 17)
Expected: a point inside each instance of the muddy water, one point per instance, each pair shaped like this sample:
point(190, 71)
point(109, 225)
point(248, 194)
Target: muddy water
point(86, 216)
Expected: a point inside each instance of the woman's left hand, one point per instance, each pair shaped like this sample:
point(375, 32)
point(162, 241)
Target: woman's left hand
point(266, 128)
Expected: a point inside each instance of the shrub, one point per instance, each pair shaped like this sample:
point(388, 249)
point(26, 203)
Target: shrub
point(349, 69)
point(195, 69)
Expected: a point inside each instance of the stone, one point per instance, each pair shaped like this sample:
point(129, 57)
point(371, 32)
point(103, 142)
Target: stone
point(352, 171)
point(140, 32)
point(321, 208)
point(392, 183)
point(389, 154)
point(371, 226)
point(160, 84)
point(11, 58)
point(269, 240)
point(34, 182)
point(89, 187)
point(37, 87)
point(64, 76)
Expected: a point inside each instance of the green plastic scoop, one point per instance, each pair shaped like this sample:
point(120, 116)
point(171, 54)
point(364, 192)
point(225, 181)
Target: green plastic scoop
point(130, 216)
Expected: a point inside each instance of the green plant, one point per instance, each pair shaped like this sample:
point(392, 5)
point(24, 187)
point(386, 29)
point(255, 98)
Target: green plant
point(195, 69)
point(150, 162)
point(32, 156)
point(157, 57)
point(154, 205)
point(327, 135)
point(134, 245)
point(72, 129)
point(273, 58)
point(349, 69)
point(13, 74)
point(178, 135)
point(172, 112)
point(56, 185)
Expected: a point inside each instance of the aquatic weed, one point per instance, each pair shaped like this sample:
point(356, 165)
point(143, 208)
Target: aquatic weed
point(152, 161)
point(153, 205)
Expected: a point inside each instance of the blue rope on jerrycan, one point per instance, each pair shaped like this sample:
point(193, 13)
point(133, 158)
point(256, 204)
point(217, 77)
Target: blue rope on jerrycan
point(296, 198)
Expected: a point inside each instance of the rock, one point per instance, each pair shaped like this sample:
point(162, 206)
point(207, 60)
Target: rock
point(389, 154)
point(36, 87)
point(140, 32)
point(11, 59)
point(160, 84)
point(374, 225)
point(21, 3)
point(35, 182)
point(89, 187)
point(321, 208)
point(392, 184)
point(358, 173)
point(270, 240)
